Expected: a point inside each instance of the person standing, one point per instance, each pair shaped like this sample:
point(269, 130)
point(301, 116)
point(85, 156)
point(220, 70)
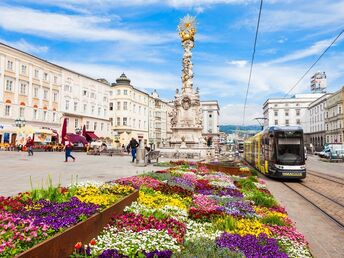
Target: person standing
point(68, 149)
point(133, 145)
point(29, 146)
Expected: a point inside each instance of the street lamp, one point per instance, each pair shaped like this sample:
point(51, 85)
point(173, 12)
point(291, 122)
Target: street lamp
point(20, 122)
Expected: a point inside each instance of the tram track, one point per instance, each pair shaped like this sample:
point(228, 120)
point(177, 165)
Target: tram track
point(326, 177)
point(330, 207)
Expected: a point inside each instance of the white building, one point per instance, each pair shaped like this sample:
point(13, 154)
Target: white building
point(29, 93)
point(85, 101)
point(316, 120)
point(211, 114)
point(318, 82)
point(289, 111)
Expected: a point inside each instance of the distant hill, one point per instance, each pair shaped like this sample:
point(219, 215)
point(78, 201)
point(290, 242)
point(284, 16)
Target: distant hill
point(234, 128)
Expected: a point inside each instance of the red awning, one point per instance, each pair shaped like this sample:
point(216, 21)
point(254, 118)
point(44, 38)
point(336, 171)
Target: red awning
point(92, 136)
point(75, 138)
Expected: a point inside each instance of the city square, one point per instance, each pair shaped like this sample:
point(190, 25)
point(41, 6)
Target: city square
point(128, 131)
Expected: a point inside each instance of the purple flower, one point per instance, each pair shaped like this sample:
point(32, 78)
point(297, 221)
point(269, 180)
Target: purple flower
point(159, 254)
point(239, 209)
point(181, 182)
point(111, 253)
point(261, 246)
point(60, 215)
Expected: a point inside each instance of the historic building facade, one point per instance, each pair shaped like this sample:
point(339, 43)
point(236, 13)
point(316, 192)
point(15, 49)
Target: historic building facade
point(30, 91)
point(85, 101)
point(316, 120)
point(211, 114)
point(334, 117)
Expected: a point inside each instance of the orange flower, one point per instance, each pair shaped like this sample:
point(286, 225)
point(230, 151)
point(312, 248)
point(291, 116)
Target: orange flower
point(93, 242)
point(78, 245)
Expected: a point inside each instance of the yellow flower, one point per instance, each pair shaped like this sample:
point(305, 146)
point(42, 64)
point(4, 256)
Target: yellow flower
point(252, 227)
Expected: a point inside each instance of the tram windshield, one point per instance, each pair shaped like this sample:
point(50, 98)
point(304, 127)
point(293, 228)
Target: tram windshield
point(290, 151)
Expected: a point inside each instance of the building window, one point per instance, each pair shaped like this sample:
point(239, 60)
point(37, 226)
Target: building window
point(55, 79)
point(67, 105)
point(104, 111)
point(7, 110)
point(125, 92)
point(210, 115)
point(118, 105)
point(55, 95)
point(297, 112)
point(275, 105)
point(9, 65)
point(23, 69)
point(125, 121)
point(93, 95)
point(105, 99)
point(118, 121)
point(134, 122)
point(286, 112)
point(36, 73)
point(99, 110)
point(76, 123)
point(45, 94)
point(21, 111)
point(9, 85)
point(118, 92)
point(275, 112)
point(102, 126)
point(35, 114)
point(45, 76)
point(85, 107)
point(54, 117)
point(87, 125)
point(45, 115)
point(276, 122)
point(110, 106)
point(92, 109)
point(23, 88)
point(111, 121)
point(75, 106)
point(84, 92)
point(339, 109)
point(125, 105)
point(298, 122)
point(139, 123)
point(287, 122)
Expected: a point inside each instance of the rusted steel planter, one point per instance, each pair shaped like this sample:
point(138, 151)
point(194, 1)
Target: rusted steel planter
point(227, 170)
point(62, 244)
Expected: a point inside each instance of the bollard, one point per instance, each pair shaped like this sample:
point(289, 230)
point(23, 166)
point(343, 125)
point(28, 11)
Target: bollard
point(140, 157)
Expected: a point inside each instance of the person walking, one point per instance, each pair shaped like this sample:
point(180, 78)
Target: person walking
point(133, 145)
point(68, 149)
point(29, 146)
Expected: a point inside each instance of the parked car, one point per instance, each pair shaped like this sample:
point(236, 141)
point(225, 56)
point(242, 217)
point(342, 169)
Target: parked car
point(333, 151)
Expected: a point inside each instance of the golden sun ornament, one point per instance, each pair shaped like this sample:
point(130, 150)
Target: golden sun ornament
point(187, 28)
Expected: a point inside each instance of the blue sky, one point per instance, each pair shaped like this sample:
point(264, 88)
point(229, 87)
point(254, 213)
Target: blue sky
point(139, 37)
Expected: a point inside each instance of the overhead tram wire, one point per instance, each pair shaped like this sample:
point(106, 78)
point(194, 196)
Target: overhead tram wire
point(316, 61)
point(252, 61)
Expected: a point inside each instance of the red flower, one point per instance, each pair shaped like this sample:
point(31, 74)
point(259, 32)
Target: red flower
point(78, 245)
point(93, 242)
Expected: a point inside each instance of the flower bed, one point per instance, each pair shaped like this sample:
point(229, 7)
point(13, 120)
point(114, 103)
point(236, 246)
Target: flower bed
point(33, 217)
point(189, 211)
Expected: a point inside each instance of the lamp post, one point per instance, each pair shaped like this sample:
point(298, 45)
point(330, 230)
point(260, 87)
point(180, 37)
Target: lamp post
point(20, 122)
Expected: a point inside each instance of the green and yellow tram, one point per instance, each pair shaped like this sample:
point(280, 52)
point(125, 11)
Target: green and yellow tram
point(277, 152)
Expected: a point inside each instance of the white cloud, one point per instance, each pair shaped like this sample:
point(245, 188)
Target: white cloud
point(25, 46)
point(315, 49)
point(233, 114)
point(238, 63)
point(73, 27)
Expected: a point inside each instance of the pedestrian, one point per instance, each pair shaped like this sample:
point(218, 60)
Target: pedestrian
point(128, 148)
point(123, 148)
point(133, 146)
point(29, 145)
point(68, 149)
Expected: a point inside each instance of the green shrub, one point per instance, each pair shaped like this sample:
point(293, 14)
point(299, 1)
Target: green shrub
point(273, 220)
point(226, 223)
point(261, 199)
point(158, 176)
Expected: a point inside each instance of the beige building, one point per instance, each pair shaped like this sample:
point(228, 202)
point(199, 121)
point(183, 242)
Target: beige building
point(334, 117)
point(29, 92)
point(129, 112)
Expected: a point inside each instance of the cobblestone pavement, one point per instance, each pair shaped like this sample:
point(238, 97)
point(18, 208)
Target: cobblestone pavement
point(324, 234)
point(16, 169)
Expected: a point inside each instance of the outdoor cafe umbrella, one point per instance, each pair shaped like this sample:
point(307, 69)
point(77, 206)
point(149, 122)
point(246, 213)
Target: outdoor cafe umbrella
point(84, 131)
point(64, 130)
